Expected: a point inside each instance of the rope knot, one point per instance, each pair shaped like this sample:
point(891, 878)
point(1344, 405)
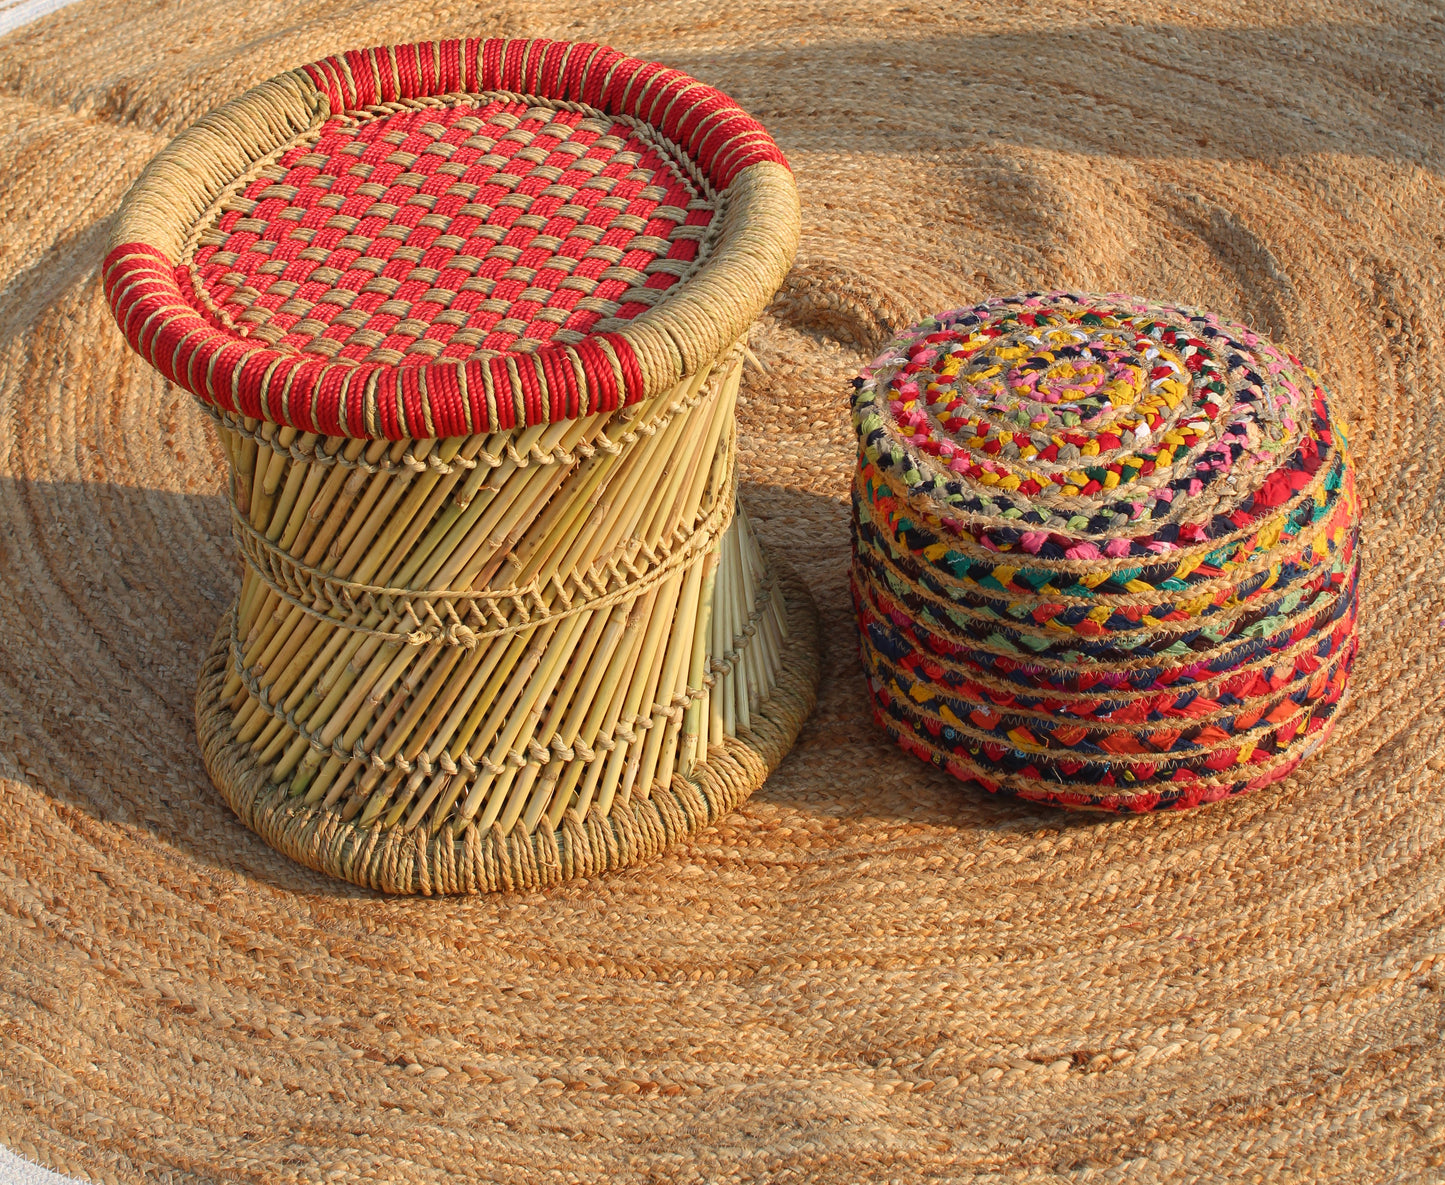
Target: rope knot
point(459, 634)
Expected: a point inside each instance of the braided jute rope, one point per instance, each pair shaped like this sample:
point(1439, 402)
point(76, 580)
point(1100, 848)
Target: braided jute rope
point(1105, 552)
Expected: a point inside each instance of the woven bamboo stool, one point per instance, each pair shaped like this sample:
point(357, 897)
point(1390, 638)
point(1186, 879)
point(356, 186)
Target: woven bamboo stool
point(469, 318)
point(1105, 551)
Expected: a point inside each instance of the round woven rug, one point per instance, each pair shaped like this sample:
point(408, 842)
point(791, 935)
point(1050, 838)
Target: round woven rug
point(871, 972)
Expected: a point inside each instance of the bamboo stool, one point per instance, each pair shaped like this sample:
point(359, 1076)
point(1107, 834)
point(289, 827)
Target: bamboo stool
point(469, 317)
point(1106, 552)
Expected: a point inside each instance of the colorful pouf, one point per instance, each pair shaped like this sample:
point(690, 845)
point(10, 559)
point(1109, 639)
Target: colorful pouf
point(1105, 551)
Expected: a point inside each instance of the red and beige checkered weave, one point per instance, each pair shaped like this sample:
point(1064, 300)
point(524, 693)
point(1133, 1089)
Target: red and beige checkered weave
point(453, 229)
point(444, 239)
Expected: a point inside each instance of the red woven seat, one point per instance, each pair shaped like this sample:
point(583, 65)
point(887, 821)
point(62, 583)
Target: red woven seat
point(451, 232)
point(456, 237)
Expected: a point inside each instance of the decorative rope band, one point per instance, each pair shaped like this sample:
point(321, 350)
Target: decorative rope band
point(452, 238)
point(312, 449)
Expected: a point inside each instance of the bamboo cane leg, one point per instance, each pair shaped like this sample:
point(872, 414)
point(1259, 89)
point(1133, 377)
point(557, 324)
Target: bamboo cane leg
point(482, 716)
point(354, 671)
point(581, 699)
point(665, 713)
point(324, 531)
point(246, 469)
point(549, 534)
point(742, 716)
point(606, 710)
point(695, 723)
point(756, 657)
point(514, 697)
point(440, 735)
point(625, 759)
point(401, 677)
point(271, 462)
point(476, 697)
point(716, 664)
point(340, 485)
point(315, 633)
point(437, 688)
point(296, 655)
point(495, 670)
point(337, 714)
point(516, 799)
point(589, 660)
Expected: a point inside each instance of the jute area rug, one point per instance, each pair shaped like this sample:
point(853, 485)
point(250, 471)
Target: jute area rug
point(871, 972)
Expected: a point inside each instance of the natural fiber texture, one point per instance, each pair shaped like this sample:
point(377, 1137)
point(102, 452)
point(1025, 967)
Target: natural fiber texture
point(1104, 551)
point(869, 972)
point(496, 857)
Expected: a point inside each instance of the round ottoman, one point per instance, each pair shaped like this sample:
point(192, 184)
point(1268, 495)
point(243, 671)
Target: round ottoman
point(1105, 551)
point(469, 317)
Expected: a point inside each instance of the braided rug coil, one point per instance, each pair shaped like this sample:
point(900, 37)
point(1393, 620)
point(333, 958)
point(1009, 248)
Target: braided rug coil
point(1105, 551)
point(868, 971)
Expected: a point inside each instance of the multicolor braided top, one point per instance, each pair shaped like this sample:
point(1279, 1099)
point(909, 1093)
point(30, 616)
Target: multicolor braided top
point(1105, 551)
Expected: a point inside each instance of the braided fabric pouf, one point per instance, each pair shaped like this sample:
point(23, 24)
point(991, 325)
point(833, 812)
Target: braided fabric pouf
point(1105, 551)
point(469, 318)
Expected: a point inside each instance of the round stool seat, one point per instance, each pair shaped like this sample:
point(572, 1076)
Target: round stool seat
point(1105, 551)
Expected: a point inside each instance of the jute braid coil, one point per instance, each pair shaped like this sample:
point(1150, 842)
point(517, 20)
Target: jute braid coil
point(469, 317)
point(1105, 551)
